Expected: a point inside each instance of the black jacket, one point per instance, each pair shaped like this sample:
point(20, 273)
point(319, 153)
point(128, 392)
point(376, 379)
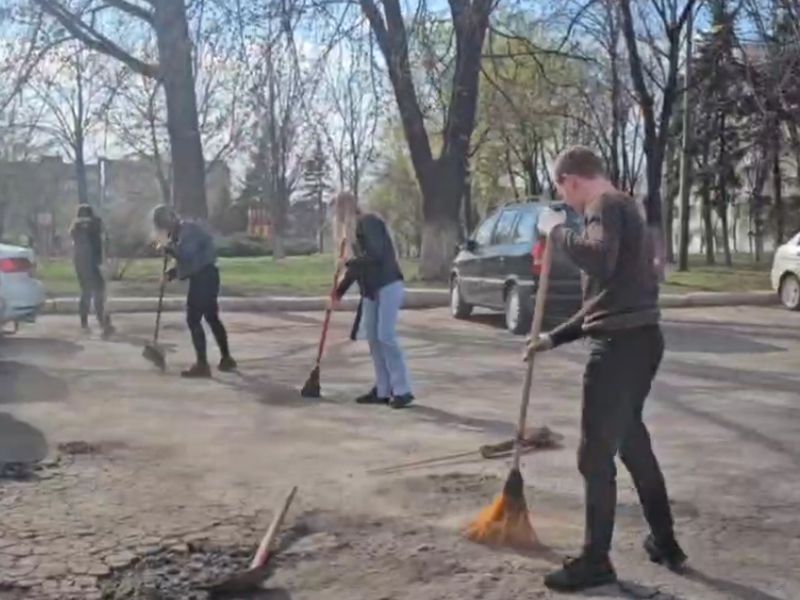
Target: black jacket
point(375, 262)
point(615, 253)
point(87, 235)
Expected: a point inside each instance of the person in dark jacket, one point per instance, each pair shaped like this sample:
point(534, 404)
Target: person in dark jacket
point(374, 266)
point(192, 247)
point(620, 316)
point(87, 239)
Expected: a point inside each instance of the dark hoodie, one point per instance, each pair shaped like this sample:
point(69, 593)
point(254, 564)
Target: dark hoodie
point(87, 235)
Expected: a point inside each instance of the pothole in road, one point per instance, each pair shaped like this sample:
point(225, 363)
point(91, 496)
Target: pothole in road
point(171, 574)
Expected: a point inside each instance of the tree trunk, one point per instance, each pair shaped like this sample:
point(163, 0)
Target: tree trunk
point(80, 169)
point(722, 188)
point(441, 232)
point(708, 226)
point(777, 190)
point(278, 248)
point(175, 58)
point(442, 180)
point(669, 203)
point(726, 239)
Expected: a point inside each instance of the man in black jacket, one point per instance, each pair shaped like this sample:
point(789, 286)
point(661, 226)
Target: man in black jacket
point(620, 316)
point(87, 240)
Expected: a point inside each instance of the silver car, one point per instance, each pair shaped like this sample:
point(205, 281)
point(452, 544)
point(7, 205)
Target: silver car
point(21, 295)
point(786, 273)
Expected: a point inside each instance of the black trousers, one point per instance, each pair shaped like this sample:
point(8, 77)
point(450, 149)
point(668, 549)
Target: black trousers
point(93, 287)
point(616, 383)
point(202, 303)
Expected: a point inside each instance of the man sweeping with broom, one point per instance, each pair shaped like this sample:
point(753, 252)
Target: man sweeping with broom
point(195, 256)
point(621, 319)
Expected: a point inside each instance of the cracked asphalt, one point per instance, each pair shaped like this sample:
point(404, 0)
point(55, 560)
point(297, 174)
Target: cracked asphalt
point(104, 461)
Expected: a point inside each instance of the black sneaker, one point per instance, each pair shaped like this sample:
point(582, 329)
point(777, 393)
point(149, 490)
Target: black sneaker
point(401, 401)
point(197, 371)
point(580, 574)
point(667, 553)
point(371, 397)
point(227, 364)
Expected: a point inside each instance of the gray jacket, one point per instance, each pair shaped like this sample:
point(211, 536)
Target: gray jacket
point(193, 249)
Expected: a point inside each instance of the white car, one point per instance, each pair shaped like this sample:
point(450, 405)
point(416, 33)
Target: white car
point(786, 273)
point(21, 296)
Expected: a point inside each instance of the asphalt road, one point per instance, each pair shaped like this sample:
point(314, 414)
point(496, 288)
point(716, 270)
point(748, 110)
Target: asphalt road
point(171, 458)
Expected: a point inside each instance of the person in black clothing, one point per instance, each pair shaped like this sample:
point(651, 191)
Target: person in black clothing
point(620, 316)
point(195, 256)
point(87, 257)
point(374, 266)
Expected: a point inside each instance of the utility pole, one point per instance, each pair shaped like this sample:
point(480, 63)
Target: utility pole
point(686, 147)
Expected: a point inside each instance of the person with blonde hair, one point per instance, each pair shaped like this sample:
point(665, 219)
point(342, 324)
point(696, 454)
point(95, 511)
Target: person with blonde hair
point(372, 263)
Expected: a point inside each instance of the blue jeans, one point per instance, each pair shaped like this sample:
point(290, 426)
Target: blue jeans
point(380, 321)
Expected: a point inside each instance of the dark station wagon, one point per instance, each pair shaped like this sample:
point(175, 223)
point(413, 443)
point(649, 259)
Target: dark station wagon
point(499, 266)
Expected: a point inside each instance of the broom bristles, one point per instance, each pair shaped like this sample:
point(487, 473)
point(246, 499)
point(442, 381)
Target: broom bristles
point(312, 388)
point(507, 521)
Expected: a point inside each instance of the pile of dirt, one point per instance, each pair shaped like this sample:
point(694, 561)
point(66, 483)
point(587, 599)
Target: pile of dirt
point(176, 574)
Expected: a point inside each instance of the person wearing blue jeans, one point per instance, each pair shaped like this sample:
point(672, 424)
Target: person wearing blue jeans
point(375, 267)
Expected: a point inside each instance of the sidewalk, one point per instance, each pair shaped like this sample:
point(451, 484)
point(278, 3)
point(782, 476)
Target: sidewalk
point(415, 299)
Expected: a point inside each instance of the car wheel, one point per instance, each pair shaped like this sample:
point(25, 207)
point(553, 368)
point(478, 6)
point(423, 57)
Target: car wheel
point(458, 307)
point(790, 291)
point(519, 313)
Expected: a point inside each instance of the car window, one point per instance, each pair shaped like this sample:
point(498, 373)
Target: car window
point(483, 234)
point(505, 230)
point(526, 228)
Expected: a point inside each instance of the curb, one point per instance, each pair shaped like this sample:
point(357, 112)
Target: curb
point(415, 299)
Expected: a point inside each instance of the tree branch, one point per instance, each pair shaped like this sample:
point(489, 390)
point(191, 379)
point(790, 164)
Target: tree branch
point(94, 39)
point(132, 9)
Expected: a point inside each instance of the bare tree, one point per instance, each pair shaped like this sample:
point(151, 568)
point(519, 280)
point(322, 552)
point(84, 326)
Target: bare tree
point(349, 99)
point(68, 95)
point(442, 178)
point(167, 20)
point(653, 32)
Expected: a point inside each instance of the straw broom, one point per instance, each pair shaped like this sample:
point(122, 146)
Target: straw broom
point(506, 522)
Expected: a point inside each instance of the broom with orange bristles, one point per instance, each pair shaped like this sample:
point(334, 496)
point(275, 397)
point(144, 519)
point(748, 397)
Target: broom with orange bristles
point(506, 522)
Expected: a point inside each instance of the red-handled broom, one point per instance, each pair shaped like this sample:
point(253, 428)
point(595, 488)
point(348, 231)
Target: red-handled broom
point(312, 387)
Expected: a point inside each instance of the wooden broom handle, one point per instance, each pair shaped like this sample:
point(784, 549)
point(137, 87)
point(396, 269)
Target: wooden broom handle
point(327, 321)
point(262, 554)
point(536, 330)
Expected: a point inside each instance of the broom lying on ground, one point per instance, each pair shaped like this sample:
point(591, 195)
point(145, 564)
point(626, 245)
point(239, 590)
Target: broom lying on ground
point(506, 522)
point(312, 387)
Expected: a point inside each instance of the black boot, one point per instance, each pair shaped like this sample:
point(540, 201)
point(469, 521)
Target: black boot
point(371, 397)
point(580, 574)
point(227, 364)
point(665, 552)
point(199, 370)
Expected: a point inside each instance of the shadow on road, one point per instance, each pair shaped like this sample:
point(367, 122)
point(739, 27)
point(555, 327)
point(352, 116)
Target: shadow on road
point(731, 589)
point(671, 395)
point(22, 382)
point(711, 340)
point(17, 347)
point(20, 442)
point(442, 417)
